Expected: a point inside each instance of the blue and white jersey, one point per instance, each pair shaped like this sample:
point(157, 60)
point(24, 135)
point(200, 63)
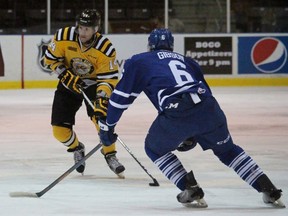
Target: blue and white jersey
point(160, 75)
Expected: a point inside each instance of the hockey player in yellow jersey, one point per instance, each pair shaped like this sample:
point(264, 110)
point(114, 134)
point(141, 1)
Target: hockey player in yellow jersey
point(83, 59)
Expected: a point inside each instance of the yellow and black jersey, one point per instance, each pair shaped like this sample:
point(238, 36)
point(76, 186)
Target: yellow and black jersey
point(96, 64)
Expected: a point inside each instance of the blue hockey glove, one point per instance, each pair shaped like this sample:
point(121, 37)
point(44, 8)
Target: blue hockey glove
point(187, 144)
point(106, 133)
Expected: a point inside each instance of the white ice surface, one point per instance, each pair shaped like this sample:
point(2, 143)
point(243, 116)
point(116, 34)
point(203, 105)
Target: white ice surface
point(31, 159)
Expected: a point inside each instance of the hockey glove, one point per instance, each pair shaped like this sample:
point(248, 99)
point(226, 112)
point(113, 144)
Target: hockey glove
point(101, 104)
point(72, 82)
point(187, 144)
point(106, 133)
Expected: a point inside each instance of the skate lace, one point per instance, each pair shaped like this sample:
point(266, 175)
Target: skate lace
point(78, 155)
point(272, 196)
point(191, 194)
point(113, 162)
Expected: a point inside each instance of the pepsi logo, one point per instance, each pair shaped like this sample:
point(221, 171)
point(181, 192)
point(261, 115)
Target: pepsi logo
point(269, 55)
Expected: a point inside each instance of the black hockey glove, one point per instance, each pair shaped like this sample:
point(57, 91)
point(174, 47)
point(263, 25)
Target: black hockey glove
point(187, 144)
point(106, 133)
point(72, 82)
point(101, 105)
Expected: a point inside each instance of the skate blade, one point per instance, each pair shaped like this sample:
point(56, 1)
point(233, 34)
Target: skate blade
point(121, 175)
point(278, 204)
point(200, 203)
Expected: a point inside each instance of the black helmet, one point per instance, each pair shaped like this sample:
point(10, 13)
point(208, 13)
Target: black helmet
point(89, 17)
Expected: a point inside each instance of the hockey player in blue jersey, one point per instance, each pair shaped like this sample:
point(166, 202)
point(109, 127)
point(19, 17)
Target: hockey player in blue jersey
point(187, 111)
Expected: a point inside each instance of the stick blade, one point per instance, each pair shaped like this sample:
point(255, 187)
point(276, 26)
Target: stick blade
point(23, 194)
point(154, 184)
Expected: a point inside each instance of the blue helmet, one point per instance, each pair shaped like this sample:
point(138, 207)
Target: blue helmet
point(161, 38)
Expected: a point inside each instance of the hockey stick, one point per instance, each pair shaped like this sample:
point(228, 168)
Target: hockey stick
point(60, 178)
point(155, 182)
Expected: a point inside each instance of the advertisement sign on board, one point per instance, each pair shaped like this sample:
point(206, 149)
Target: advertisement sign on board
point(262, 55)
point(214, 54)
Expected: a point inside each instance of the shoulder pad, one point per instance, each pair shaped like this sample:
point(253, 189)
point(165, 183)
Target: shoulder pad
point(104, 45)
point(65, 34)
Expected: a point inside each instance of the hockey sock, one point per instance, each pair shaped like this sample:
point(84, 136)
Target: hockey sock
point(66, 136)
point(243, 165)
point(173, 169)
point(108, 149)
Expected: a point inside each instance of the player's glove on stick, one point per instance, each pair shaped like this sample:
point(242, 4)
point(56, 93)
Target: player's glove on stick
point(187, 144)
point(72, 82)
point(106, 133)
point(101, 106)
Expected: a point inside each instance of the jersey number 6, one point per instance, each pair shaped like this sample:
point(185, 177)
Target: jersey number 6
point(179, 72)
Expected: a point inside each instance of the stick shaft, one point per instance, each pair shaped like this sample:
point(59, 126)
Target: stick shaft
point(122, 143)
point(130, 152)
point(87, 99)
point(71, 169)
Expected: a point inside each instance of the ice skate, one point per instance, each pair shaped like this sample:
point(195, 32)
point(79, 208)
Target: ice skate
point(271, 195)
point(273, 198)
point(193, 195)
point(114, 164)
point(79, 153)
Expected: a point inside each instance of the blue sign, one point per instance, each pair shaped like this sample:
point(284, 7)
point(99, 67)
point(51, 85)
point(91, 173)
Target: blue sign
point(258, 55)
